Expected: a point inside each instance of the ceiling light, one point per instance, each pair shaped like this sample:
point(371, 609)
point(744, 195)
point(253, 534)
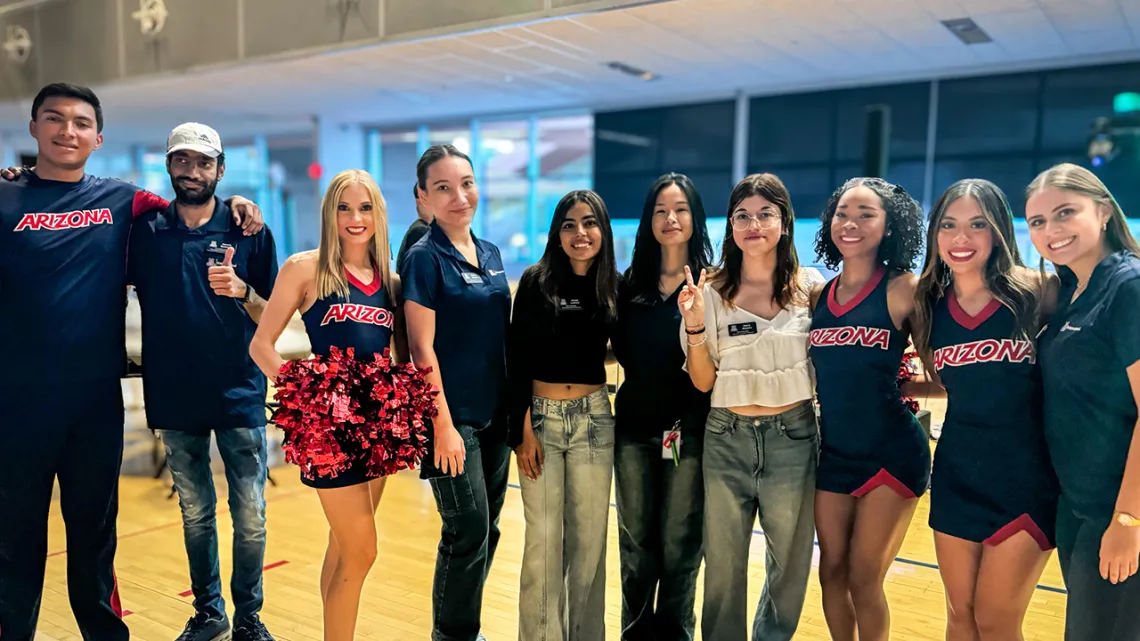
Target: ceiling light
point(631, 71)
point(967, 31)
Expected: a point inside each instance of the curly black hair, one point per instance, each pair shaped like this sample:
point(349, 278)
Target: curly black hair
point(903, 240)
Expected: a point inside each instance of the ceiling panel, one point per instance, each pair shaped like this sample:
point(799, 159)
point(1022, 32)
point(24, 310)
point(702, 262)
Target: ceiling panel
point(695, 48)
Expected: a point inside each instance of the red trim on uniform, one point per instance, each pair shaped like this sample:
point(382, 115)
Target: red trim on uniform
point(116, 604)
point(145, 201)
point(881, 478)
point(1022, 523)
point(839, 310)
point(370, 288)
point(963, 318)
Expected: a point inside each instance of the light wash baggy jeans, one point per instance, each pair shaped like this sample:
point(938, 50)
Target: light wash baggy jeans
point(563, 580)
point(758, 466)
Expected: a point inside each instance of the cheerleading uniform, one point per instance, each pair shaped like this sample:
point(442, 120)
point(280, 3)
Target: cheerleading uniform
point(363, 322)
point(869, 436)
point(992, 475)
point(63, 251)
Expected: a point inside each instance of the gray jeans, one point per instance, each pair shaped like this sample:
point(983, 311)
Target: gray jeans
point(563, 579)
point(758, 466)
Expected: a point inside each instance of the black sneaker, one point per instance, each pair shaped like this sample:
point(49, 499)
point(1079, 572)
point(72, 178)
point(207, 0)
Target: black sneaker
point(251, 629)
point(201, 627)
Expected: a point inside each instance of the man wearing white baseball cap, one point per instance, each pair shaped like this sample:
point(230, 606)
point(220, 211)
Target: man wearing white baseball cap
point(198, 377)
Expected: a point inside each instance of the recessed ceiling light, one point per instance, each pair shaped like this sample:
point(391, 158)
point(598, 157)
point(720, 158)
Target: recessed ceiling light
point(967, 31)
point(631, 71)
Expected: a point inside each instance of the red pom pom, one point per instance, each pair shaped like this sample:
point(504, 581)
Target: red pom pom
point(339, 412)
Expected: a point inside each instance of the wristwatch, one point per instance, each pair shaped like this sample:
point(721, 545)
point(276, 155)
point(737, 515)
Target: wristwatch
point(1126, 519)
point(248, 290)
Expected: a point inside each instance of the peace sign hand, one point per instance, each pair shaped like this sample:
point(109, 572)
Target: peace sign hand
point(691, 300)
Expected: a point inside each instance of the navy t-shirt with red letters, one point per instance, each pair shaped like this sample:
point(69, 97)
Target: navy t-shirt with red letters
point(63, 259)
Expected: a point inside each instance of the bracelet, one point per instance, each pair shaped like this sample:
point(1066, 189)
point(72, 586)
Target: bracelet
point(699, 343)
point(694, 332)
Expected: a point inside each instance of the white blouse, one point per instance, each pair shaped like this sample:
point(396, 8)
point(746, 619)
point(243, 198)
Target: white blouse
point(758, 361)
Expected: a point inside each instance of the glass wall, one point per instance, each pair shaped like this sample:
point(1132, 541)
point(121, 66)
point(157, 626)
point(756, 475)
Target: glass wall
point(1003, 128)
point(523, 167)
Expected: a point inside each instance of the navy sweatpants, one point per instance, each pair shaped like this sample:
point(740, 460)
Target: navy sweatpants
point(73, 433)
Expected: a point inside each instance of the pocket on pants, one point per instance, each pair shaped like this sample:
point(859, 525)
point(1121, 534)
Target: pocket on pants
point(453, 495)
point(719, 422)
point(601, 431)
point(800, 425)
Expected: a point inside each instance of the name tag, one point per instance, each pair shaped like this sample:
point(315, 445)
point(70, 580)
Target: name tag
point(742, 329)
point(572, 304)
point(471, 278)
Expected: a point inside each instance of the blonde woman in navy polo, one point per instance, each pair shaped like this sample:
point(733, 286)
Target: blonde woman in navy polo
point(348, 298)
point(459, 307)
point(1090, 362)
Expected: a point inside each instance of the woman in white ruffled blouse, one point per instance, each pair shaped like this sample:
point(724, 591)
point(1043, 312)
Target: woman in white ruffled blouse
point(745, 333)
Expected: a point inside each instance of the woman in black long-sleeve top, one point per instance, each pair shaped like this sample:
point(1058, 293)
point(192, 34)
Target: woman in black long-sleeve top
point(659, 502)
point(562, 429)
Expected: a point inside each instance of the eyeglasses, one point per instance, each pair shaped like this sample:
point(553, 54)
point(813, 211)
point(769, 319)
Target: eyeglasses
point(765, 220)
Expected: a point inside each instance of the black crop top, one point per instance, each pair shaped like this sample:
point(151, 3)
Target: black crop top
point(564, 347)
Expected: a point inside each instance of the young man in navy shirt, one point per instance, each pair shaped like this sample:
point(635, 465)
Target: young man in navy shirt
point(201, 286)
point(63, 251)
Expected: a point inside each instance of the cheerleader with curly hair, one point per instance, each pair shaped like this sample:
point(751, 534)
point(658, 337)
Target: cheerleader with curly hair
point(874, 458)
point(348, 298)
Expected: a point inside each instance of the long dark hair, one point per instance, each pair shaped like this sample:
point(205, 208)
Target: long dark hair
point(434, 154)
point(902, 241)
point(644, 274)
point(1006, 277)
point(786, 285)
point(552, 270)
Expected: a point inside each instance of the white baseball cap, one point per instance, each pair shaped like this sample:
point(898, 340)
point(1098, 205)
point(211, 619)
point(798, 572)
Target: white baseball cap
point(192, 136)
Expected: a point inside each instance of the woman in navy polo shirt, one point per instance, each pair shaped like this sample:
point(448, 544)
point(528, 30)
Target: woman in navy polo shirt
point(874, 458)
point(993, 494)
point(331, 286)
point(458, 309)
point(660, 504)
point(1090, 361)
point(562, 428)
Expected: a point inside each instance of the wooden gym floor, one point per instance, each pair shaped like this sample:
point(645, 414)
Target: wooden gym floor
point(154, 583)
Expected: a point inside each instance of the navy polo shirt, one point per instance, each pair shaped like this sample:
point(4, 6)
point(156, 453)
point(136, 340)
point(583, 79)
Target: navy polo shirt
point(472, 307)
point(197, 372)
point(1090, 412)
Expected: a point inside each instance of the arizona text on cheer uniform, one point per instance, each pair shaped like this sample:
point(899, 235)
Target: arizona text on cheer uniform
point(63, 252)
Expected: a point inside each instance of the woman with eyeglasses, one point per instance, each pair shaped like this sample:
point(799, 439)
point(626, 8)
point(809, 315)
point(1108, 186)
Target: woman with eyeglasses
point(745, 333)
point(874, 458)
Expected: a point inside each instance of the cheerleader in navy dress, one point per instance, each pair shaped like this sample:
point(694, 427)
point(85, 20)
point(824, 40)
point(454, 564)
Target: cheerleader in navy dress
point(993, 492)
point(363, 321)
point(870, 438)
point(348, 298)
point(874, 458)
point(992, 476)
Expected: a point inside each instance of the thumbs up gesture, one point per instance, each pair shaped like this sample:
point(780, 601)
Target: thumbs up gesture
point(223, 280)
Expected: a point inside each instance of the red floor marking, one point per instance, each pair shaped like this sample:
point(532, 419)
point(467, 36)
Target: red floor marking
point(186, 593)
point(179, 521)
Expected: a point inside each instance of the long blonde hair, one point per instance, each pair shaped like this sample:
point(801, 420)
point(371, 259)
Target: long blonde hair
point(331, 277)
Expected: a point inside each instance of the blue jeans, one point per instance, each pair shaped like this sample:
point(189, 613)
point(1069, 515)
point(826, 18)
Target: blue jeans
point(562, 586)
point(243, 452)
point(1096, 609)
point(764, 466)
point(469, 506)
point(660, 509)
